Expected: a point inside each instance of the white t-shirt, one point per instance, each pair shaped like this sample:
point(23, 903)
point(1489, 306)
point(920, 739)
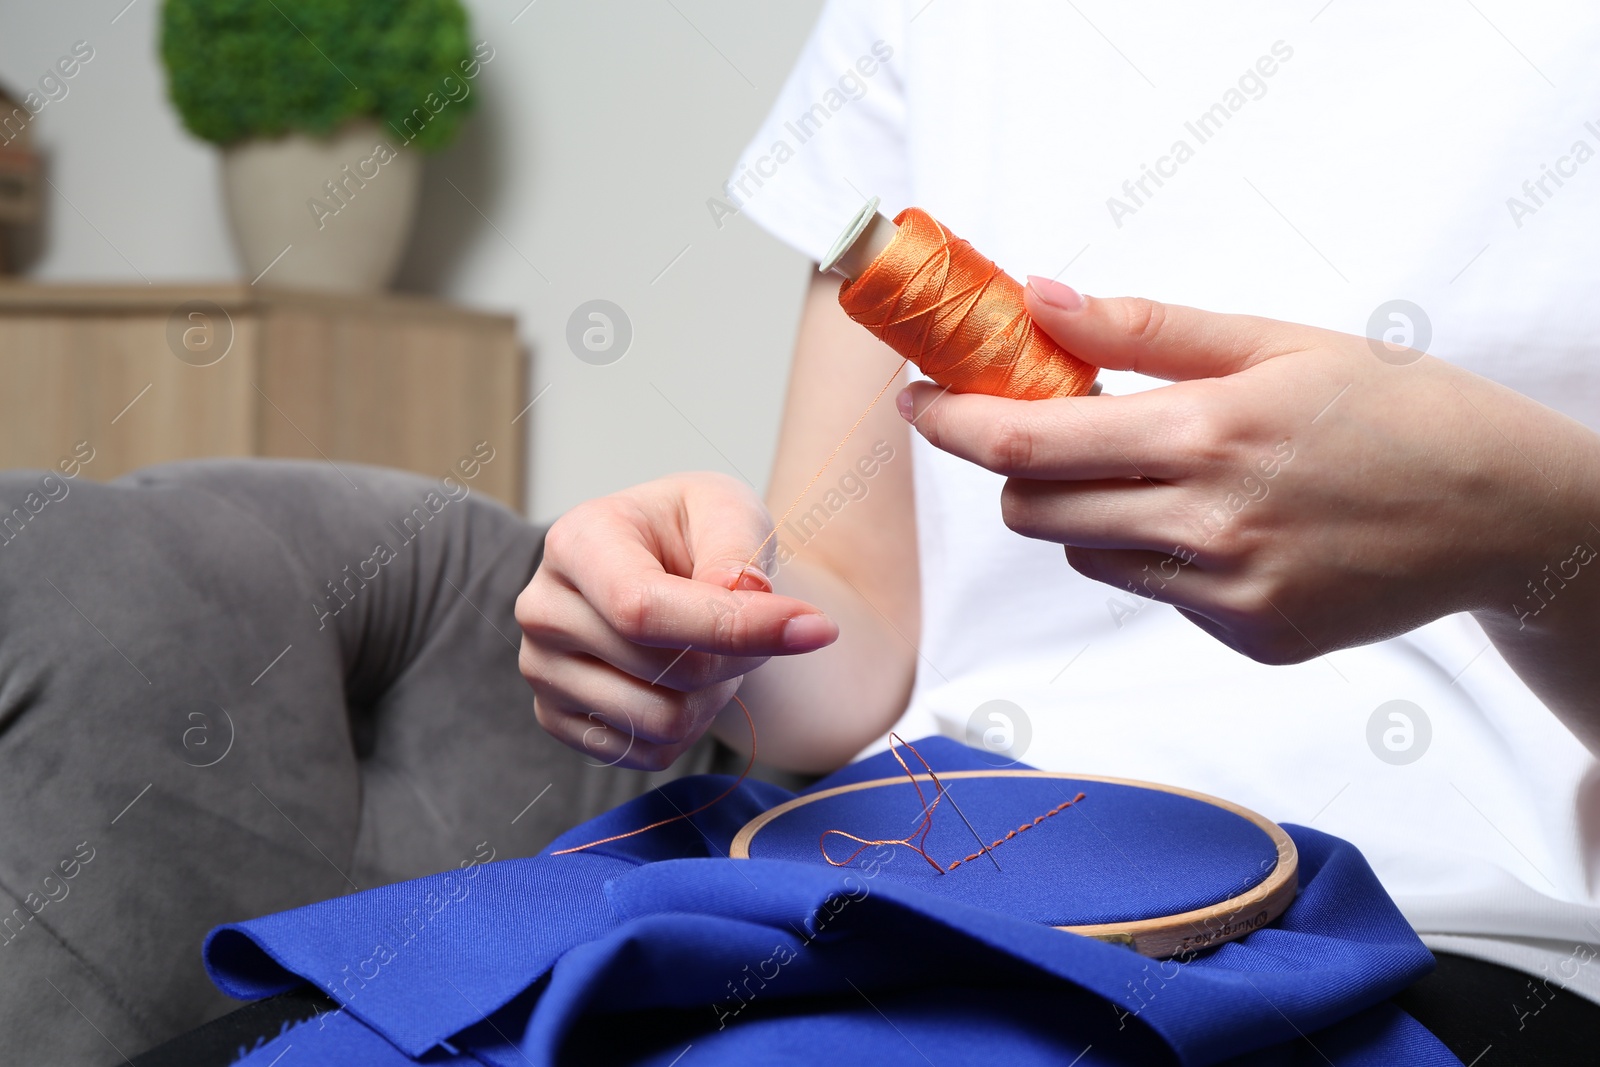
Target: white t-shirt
point(1328, 165)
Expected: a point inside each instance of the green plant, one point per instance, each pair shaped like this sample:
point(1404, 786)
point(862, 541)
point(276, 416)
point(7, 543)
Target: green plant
point(259, 68)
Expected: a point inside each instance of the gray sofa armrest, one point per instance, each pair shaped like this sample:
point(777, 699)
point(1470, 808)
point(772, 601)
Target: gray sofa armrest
point(233, 687)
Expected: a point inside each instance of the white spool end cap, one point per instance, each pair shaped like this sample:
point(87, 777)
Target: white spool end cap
point(867, 234)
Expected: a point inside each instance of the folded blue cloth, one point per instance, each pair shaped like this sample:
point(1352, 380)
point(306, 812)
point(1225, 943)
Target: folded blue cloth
point(659, 946)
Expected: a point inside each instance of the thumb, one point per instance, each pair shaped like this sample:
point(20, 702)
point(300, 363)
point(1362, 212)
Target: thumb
point(722, 532)
point(1162, 340)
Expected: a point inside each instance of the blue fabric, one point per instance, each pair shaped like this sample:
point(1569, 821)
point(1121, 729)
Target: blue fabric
point(637, 950)
point(1121, 853)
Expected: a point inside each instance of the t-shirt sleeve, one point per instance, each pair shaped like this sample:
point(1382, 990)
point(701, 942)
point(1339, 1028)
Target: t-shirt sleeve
point(836, 134)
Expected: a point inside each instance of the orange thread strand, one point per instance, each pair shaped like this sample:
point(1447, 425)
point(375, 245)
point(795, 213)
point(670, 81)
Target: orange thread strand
point(749, 720)
point(820, 471)
point(949, 309)
point(682, 815)
point(917, 840)
point(1058, 809)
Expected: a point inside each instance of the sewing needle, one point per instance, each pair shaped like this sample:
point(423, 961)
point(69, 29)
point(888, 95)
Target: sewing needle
point(982, 847)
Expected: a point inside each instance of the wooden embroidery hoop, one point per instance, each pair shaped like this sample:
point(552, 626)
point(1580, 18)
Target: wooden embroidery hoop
point(1159, 938)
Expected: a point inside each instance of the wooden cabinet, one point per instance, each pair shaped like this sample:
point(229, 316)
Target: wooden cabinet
point(148, 374)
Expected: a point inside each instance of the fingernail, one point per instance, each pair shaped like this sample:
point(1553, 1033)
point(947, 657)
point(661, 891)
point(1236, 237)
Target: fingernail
point(1055, 294)
point(905, 405)
point(805, 632)
point(755, 579)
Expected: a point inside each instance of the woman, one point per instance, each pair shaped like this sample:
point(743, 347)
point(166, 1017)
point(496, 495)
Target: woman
point(1332, 579)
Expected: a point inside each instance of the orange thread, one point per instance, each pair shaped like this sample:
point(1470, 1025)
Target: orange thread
point(820, 470)
point(919, 835)
point(1063, 806)
point(749, 721)
point(917, 840)
point(946, 307)
point(737, 782)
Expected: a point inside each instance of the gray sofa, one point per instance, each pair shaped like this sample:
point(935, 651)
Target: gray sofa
point(233, 687)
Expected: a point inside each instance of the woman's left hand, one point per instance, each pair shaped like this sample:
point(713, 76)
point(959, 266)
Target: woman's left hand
point(1292, 493)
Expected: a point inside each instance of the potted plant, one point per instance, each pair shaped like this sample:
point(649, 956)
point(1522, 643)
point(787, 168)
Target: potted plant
point(20, 174)
point(321, 108)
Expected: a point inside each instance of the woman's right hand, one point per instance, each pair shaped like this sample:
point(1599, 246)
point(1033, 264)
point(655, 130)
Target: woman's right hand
point(643, 618)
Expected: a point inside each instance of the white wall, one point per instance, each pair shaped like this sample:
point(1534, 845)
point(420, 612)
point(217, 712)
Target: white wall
point(603, 126)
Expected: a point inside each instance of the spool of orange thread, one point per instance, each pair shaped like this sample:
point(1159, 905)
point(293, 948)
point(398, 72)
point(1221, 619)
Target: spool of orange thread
point(942, 304)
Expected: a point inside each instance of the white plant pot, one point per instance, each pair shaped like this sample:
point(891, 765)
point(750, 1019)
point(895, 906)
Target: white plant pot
point(330, 213)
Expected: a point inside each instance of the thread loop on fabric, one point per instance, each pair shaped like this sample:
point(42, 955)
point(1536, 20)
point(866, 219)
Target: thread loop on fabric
point(917, 839)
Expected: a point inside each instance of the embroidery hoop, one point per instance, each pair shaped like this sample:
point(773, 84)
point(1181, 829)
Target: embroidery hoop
point(1161, 937)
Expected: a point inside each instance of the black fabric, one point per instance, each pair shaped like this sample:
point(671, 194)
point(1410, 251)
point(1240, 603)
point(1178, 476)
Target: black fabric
point(1493, 1016)
point(209, 713)
point(220, 1041)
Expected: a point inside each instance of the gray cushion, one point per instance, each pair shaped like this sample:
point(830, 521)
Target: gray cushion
point(290, 713)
